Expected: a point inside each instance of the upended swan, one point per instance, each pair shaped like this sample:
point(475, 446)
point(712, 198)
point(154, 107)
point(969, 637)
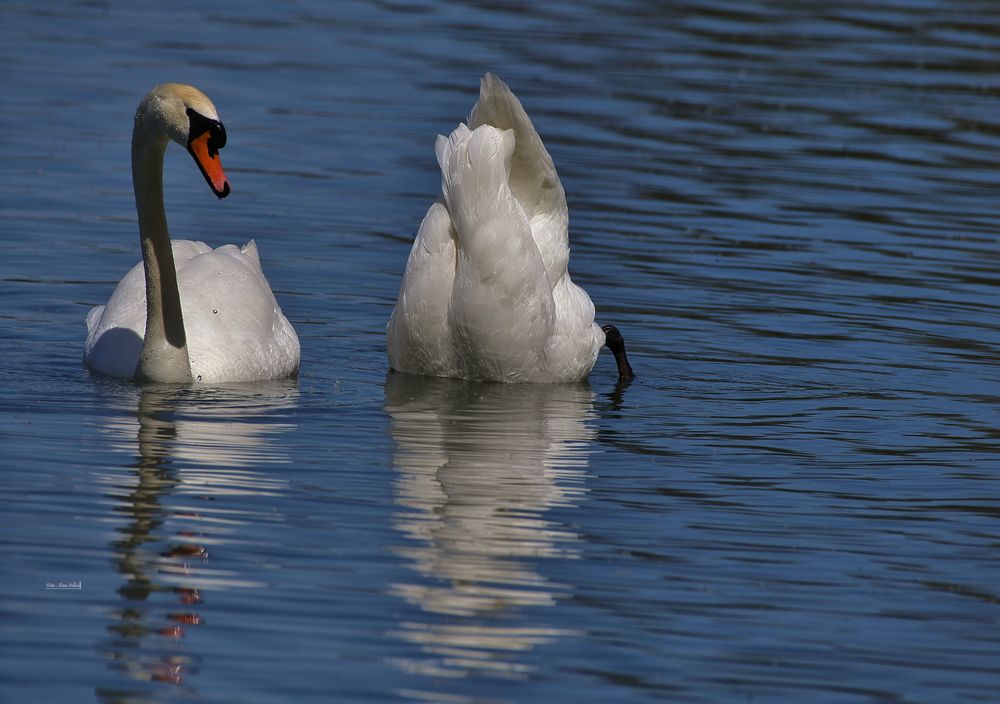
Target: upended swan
point(187, 312)
point(486, 293)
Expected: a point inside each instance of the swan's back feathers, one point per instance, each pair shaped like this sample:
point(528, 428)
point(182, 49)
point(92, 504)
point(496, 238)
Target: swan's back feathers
point(474, 171)
point(234, 325)
point(492, 234)
point(475, 165)
point(501, 308)
point(235, 329)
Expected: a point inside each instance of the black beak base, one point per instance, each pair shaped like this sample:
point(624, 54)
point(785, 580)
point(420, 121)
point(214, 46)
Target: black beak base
point(616, 343)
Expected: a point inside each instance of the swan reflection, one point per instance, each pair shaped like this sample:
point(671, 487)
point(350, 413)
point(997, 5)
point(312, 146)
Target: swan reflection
point(479, 467)
point(194, 449)
point(214, 426)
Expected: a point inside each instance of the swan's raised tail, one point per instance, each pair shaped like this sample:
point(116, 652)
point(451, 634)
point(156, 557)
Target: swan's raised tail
point(533, 179)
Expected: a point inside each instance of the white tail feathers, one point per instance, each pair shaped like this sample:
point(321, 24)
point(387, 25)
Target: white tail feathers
point(533, 180)
point(499, 107)
point(475, 168)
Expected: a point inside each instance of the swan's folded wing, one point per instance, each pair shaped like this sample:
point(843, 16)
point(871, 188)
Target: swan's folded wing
point(235, 328)
point(94, 317)
point(115, 330)
point(418, 339)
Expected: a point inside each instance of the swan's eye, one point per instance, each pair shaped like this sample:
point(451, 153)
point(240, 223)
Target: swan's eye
point(199, 125)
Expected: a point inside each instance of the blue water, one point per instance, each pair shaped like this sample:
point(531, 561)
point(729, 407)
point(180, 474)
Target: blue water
point(791, 212)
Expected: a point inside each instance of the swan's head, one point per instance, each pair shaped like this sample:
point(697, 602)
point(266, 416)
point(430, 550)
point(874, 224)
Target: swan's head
point(186, 115)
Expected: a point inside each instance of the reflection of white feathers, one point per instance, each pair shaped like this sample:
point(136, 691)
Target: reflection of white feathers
point(191, 443)
point(486, 293)
point(479, 466)
point(210, 436)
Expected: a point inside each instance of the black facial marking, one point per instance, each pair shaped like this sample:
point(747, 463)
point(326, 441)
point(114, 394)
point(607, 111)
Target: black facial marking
point(199, 125)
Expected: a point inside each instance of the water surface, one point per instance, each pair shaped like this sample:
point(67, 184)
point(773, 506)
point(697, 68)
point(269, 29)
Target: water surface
point(789, 210)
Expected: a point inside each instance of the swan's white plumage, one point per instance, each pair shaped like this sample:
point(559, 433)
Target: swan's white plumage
point(235, 328)
point(486, 293)
point(187, 312)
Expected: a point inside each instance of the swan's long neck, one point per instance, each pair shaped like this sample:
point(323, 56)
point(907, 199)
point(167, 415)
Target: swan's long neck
point(164, 355)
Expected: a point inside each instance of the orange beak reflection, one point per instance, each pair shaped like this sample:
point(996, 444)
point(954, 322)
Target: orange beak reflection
point(209, 163)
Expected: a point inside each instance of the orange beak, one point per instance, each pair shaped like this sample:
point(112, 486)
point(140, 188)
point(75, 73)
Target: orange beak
point(208, 161)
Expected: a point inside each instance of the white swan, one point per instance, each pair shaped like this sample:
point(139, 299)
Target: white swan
point(231, 327)
point(486, 294)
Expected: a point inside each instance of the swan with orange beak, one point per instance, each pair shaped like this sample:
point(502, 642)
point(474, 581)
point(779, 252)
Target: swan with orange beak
point(187, 313)
point(205, 138)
